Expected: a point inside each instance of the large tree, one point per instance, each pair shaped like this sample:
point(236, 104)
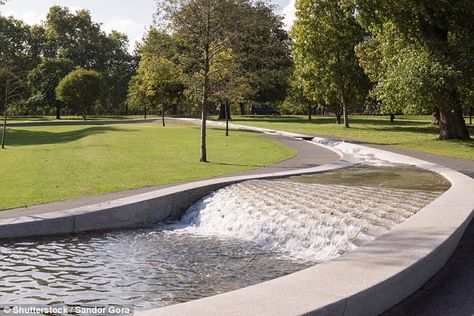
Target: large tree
point(420, 56)
point(261, 50)
point(326, 33)
point(203, 29)
point(158, 82)
point(119, 68)
point(74, 36)
point(80, 90)
point(44, 79)
point(16, 46)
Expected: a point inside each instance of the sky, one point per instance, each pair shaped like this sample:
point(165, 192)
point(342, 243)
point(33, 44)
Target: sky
point(131, 17)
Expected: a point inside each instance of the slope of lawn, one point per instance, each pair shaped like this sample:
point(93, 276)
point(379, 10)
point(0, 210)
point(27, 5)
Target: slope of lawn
point(44, 164)
point(413, 133)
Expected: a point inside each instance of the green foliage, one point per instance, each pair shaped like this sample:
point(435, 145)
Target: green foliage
point(16, 52)
point(325, 34)
point(419, 57)
point(80, 90)
point(261, 50)
point(44, 79)
point(76, 37)
point(158, 82)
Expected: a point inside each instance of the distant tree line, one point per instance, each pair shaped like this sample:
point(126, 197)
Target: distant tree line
point(42, 55)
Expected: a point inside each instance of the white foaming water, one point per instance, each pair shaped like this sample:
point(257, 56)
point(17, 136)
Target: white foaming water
point(313, 222)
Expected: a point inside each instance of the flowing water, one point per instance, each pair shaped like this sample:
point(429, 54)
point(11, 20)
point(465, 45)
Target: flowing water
point(237, 236)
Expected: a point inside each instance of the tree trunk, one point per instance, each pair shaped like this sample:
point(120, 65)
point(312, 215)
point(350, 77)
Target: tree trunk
point(435, 118)
point(227, 117)
point(58, 112)
point(242, 108)
point(338, 118)
point(174, 109)
point(310, 112)
point(203, 125)
point(222, 111)
point(346, 116)
point(205, 90)
point(392, 118)
point(144, 114)
point(163, 116)
point(5, 113)
point(452, 125)
point(470, 115)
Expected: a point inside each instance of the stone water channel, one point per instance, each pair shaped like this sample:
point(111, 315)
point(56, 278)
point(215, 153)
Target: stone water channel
point(237, 236)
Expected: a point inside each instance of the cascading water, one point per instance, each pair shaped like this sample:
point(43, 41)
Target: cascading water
point(313, 222)
point(237, 236)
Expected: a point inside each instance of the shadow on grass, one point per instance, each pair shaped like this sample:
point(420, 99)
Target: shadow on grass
point(25, 137)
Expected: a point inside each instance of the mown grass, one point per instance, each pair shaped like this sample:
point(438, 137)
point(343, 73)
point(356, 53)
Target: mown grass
point(44, 164)
point(414, 133)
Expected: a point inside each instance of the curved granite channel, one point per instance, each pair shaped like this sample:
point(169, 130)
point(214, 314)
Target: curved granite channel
point(366, 281)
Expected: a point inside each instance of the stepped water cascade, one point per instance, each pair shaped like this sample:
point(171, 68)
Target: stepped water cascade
point(237, 236)
point(313, 222)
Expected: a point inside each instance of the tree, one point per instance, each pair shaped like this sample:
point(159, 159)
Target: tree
point(158, 81)
point(229, 84)
point(76, 37)
point(202, 28)
point(261, 50)
point(120, 67)
point(16, 51)
point(44, 79)
point(420, 56)
point(80, 90)
point(12, 89)
point(325, 34)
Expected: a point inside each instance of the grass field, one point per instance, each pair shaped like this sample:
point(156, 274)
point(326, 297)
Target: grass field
point(44, 164)
point(413, 133)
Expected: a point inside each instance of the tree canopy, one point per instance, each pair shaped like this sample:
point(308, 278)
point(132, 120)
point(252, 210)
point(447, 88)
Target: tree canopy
point(80, 90)
point(44, 79)
point(325, 35)
point(419, 55)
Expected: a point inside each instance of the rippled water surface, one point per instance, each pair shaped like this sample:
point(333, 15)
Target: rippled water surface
point(146, 268)
point(237, 236)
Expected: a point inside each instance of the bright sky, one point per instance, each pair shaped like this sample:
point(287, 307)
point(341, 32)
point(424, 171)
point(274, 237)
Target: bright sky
point(129, 17)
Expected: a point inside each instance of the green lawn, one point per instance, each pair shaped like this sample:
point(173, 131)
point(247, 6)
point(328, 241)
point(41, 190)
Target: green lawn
point(413, 133)
point(44, 164)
